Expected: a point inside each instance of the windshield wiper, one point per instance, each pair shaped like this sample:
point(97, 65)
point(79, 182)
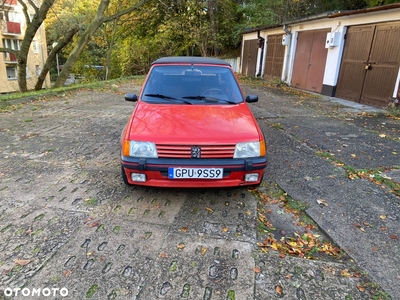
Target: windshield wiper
point(167, 97)
point(160, 96)
point(210, 99)
point(201, 98)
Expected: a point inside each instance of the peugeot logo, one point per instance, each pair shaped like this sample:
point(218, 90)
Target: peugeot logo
point(195, 152)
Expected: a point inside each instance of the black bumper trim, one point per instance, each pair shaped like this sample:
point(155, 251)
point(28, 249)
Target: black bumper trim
point(162, 164)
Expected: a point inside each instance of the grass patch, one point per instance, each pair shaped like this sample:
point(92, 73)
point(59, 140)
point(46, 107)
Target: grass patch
point(373, 175)
point(276, 126)
point(110, 84)
point(90, 201)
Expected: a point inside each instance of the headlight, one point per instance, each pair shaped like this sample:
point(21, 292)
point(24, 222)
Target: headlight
point(142, 149)
point(249, 149)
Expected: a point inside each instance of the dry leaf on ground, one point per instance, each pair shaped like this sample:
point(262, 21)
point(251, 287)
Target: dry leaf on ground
point(22, 262)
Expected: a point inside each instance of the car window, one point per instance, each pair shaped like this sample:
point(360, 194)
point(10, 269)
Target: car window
point(194, 84)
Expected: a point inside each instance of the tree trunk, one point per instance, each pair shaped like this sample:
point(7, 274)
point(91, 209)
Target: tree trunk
point(109, 50)
point(31, 29)
point(98, 20)
point(52, 56)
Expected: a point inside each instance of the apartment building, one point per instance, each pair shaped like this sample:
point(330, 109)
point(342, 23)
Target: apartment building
point(12, 29)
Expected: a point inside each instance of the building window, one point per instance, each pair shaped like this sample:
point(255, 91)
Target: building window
point(37, 67)
point(11, 72)
point(35, 46)
point(12, 44)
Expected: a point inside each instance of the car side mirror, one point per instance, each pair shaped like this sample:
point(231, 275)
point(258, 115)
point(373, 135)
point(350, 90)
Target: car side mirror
point(131, 97)
point(251, 98)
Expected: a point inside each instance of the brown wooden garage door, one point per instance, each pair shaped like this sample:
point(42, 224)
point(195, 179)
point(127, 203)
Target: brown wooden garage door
point(370, 64)
point(249, 63)
point(310, 60)
point(274, 57)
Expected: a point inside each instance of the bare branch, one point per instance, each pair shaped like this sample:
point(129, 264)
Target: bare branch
point(125, 11)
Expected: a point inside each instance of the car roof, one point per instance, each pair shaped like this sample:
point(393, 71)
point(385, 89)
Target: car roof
point(191, 60)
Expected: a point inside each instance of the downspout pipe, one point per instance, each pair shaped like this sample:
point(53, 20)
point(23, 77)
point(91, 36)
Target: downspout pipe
point(261, 41)
point(285, 72)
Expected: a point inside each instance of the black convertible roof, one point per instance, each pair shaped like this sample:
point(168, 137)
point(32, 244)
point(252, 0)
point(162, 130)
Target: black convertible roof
point(190, 60)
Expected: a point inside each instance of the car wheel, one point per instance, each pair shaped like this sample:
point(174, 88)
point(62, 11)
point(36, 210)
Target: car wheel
point(124, 178)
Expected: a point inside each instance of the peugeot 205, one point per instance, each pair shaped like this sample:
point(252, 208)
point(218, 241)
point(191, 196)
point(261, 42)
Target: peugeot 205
point(192, 127)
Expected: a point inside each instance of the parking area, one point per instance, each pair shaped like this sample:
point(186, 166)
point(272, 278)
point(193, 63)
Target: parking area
point(68, 223)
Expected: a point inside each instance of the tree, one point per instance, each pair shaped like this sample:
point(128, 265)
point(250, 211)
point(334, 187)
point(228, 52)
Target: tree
point(52, 55)
point(99, 18)
point(32, 27)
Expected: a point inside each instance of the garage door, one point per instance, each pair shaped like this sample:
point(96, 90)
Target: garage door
point(370, 64)
point(249, 62)
point(310, 60)
point(274, 57)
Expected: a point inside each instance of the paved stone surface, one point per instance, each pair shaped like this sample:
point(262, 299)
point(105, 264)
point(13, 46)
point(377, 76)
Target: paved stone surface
point(304, 128)
point(68, 221)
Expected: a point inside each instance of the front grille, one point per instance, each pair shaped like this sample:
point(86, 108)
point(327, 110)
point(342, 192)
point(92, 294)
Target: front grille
point(185, 151)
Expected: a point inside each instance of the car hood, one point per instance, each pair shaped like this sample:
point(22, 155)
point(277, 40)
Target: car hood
point(162, 123)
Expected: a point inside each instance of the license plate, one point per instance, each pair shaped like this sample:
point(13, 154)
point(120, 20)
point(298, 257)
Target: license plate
point(196, 173)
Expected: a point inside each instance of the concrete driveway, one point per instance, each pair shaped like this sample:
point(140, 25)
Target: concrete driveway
point(70, 229)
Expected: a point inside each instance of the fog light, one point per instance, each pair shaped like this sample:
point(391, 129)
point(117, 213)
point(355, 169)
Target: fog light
point(251, 177)
point(138, 177)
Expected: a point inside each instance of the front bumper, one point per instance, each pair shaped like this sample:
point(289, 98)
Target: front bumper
point(156, 171)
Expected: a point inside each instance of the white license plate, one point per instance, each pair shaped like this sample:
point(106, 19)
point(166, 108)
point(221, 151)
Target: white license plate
point(203, 173)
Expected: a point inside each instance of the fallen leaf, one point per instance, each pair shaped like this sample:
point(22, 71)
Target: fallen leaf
point(88, 219)
point(353, 155)
point(224, 229)
point(279, 289)
point(394, 237)
point(94, 224)
point(257, 270)
point(374, 248)
point(181, 246)
point(210, 209)
point(164, 254)
point(28, 231)
point(259, 244)
point(383, 217)
point(66, 273)
point(382, 135)
point(383, 228)
point(184, 229)
point(322, 202)
point(203, 250)
point(22, 262)
point(360, 288)
point(357, 225)
point(345, 273)
point(362, 229)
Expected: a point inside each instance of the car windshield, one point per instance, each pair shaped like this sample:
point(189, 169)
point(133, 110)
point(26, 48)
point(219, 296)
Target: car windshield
point(191, 85)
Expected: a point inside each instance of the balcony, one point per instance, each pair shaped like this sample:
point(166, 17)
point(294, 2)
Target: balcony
point(10, 2)
point(10, 28)
point(9, 58)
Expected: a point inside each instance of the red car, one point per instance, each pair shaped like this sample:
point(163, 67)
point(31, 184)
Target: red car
point(192, 127)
